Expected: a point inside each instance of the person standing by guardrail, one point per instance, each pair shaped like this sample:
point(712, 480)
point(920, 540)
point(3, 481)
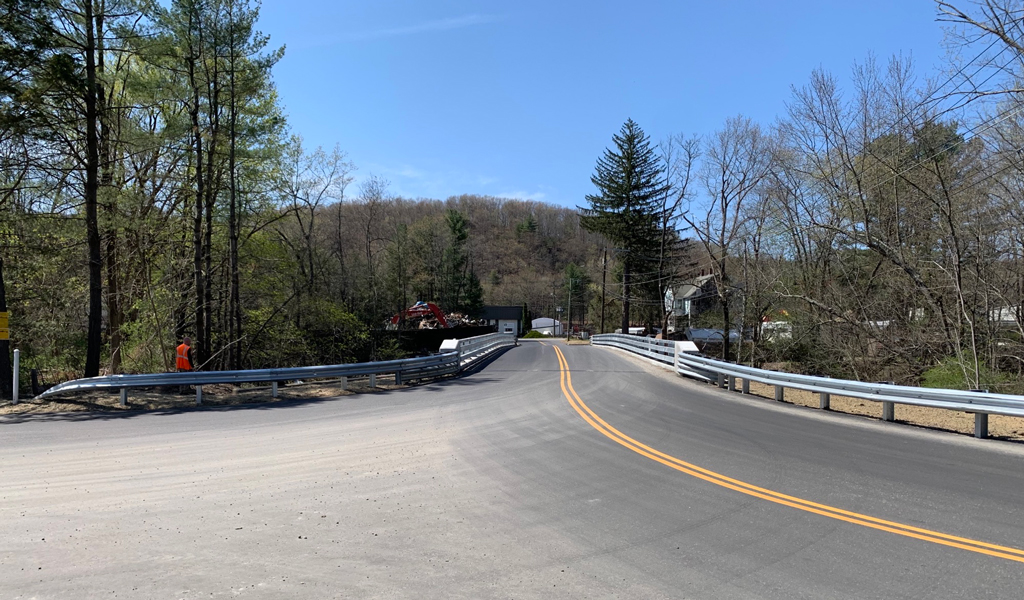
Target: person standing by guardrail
point(183, 360)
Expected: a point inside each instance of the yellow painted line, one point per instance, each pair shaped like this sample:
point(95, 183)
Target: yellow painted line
point(595, 421)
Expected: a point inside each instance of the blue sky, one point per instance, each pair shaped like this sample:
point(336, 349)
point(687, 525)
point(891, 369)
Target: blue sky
point(519, 99)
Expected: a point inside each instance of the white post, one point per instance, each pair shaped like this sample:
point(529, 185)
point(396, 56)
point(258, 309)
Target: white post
point(344, 384)
point(17, 367)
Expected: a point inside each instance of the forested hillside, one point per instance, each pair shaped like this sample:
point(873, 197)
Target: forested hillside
point(151, 189)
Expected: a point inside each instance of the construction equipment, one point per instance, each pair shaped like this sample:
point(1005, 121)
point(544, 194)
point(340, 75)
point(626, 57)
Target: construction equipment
point(421, 311)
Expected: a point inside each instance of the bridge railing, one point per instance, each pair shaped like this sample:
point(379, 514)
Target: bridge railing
point(455, 356)
point(725, 374)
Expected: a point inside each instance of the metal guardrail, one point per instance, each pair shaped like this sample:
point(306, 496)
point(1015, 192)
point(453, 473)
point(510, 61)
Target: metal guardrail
point(660, 351)
point(455, 355)
point(981, 404)
point(475, 348)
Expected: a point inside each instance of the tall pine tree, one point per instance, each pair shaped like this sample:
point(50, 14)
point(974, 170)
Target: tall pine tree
point(627, 208)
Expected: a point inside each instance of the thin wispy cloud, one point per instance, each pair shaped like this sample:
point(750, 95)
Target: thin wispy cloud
point(522, 195)
point(424, 27)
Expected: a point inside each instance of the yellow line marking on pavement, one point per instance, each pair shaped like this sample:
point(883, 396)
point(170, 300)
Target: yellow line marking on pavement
point(832, 512)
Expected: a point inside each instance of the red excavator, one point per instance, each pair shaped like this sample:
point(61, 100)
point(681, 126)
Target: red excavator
point(420, 310)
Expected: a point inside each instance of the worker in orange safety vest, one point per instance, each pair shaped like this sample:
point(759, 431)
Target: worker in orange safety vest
point(184, 357)
point(183, 361)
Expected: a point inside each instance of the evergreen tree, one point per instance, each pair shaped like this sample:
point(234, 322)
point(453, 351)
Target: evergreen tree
point(627, 208)
point(454, 261)
point(473, 299)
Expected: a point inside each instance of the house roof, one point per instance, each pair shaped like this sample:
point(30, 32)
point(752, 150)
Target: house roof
point(502, 313)
point(544, 322)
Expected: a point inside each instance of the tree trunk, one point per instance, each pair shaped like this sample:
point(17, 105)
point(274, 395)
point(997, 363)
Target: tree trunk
point(115, 316)
point(197, 218)
point(95, 319)
point(234, 303)
point(625, 296)
point(6, 372)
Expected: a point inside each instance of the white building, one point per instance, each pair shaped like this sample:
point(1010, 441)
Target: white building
point(547, 326)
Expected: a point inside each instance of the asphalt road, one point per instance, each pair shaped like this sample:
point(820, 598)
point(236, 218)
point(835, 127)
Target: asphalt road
point(622, 481)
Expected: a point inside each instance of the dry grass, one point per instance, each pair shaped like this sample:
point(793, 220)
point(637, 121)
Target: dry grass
point(213, 395)
point(576, 342)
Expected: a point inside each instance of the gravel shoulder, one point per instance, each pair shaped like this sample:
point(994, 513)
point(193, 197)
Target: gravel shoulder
point(999, 426)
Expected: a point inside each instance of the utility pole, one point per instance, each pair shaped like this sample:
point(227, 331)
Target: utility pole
point(569, 332)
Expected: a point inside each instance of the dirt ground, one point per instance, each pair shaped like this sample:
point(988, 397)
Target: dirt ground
point(213, 395)
point(999, 427)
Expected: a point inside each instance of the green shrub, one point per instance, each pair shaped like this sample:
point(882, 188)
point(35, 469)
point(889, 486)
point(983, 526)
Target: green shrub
point(949, 375)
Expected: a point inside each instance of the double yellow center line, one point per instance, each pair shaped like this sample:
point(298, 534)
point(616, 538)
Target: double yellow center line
point(765, 494)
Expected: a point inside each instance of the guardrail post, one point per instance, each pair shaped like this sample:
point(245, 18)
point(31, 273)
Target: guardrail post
point(17, 369)
point(344, 384)
point(981, 425)
point(721, 380)
point(780, 393)
point(746, 385)
point(124, 396)
point(980, 420)
point(398, 378)
point(888, 411)
point(824, 400)
point(199, 395)
point(373, 380)
point(732, 383)
point(273, 389)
